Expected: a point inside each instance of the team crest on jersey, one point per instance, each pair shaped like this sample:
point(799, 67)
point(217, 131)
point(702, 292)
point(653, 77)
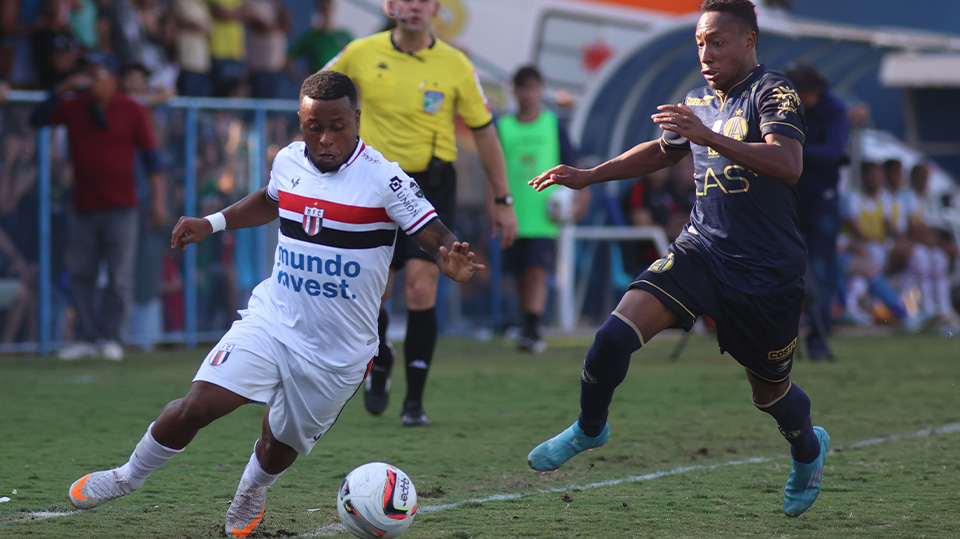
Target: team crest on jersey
point(219, 356)
point(432, 101)
point(662, 265)
point(312, 220)
point(735, 128)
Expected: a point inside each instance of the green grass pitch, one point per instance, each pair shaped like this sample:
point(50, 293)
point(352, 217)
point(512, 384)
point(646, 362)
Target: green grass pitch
point(677, 464)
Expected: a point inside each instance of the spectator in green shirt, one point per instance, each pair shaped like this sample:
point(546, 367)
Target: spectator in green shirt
point(318, 44)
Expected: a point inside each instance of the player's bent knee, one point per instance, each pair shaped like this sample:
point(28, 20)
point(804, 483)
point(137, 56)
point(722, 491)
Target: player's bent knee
point(613, 338)
point(206, 403)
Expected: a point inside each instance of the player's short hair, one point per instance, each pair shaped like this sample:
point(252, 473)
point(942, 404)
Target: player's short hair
point(527, 74)
point(743, 10)
point(329, 86)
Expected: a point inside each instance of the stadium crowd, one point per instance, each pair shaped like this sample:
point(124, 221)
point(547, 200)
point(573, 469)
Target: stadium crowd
point(896, 262)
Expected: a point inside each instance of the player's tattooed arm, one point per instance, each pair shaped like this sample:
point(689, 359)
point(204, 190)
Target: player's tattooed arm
point(454, 258)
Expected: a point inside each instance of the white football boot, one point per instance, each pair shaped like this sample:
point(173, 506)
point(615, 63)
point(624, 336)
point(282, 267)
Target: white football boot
point(246, 511)
point(98, 488)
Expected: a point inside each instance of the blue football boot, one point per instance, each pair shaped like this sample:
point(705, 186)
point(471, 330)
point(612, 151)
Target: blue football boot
point(551, 454)
point(803, 485)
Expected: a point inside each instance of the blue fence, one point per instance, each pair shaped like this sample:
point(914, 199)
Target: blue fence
point(218, 150)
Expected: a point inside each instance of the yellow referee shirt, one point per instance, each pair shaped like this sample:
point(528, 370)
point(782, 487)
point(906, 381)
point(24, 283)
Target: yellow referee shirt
point(409, 100)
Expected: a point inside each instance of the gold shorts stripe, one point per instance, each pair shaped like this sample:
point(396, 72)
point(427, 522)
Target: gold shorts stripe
point(669, 296)
point(630, 323)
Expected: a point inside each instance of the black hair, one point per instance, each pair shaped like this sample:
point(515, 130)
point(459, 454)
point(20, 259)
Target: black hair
point(329, 86)
point(919, 168)
point(526, 74)
point(892, 164)
point(806, 78)
point(743, 10)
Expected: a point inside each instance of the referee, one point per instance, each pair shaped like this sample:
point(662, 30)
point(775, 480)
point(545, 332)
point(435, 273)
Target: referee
point(412, 85)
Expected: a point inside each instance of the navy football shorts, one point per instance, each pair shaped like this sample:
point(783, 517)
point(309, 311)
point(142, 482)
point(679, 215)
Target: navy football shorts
point(760, 332)
point(530, 252)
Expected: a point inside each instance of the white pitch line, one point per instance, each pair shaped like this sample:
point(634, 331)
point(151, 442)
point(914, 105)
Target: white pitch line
point(41, 515)
point(334, 529)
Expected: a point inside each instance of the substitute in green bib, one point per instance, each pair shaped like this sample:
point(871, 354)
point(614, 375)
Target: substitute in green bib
point(534, 139)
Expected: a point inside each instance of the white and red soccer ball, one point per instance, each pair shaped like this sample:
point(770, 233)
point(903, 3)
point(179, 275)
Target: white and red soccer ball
point(377, 501)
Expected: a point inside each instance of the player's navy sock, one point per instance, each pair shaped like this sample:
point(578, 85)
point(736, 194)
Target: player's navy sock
point(603, 370)
point(792, 412)
point(383, 363)
point(146, 458)
point(418, 350)
point(531, 325)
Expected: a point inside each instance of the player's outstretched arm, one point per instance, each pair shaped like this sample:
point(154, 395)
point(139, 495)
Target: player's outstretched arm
point(253, 210)
point(454, 258)
point(642, 159)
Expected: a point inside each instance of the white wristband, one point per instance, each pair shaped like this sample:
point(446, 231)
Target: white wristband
point(217, 220)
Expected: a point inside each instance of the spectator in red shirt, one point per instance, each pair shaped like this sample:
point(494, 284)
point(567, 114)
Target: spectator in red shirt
point(105, 128)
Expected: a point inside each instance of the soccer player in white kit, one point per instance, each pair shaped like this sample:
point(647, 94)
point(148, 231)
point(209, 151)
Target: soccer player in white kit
point(304, 343)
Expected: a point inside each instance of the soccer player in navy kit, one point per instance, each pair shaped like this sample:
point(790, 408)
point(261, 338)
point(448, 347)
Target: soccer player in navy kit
point(740, 260)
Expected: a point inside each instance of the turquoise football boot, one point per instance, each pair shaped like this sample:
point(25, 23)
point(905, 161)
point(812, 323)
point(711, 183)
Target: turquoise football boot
point(551, 454)
point(803, 485)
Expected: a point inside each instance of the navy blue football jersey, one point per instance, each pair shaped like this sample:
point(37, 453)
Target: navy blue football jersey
point(746, 222)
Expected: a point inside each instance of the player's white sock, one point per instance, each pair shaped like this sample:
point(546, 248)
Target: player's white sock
point(254, 475)
point(941, 272)
point(856, 288)
point(146, 457)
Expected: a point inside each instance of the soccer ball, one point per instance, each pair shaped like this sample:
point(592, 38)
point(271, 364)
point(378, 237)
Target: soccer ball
point(377, 501)
point(562, 205)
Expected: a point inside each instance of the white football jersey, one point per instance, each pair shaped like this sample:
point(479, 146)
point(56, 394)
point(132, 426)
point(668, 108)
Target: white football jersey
point(336, 238)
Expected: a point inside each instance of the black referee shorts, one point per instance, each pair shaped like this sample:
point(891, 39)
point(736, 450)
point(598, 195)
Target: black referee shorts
point(443, 196)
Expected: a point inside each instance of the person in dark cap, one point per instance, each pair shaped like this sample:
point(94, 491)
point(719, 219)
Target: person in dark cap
point(105, 129)
point(818, 207)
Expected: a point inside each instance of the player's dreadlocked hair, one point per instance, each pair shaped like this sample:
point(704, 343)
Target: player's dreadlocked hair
point(743, 10)
point(329, 86)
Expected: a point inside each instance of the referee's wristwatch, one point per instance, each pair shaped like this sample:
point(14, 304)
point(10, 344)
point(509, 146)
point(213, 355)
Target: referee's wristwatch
point(506, 200)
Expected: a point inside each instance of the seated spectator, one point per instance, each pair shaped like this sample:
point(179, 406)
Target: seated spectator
point(867, 227)
point(647, 203)
point(663, 198)
point(930, 256)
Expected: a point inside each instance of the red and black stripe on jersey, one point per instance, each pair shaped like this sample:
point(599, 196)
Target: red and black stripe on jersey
point(334, 213)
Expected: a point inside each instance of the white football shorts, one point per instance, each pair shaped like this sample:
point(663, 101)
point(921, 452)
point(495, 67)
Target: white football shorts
point(304, 398)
